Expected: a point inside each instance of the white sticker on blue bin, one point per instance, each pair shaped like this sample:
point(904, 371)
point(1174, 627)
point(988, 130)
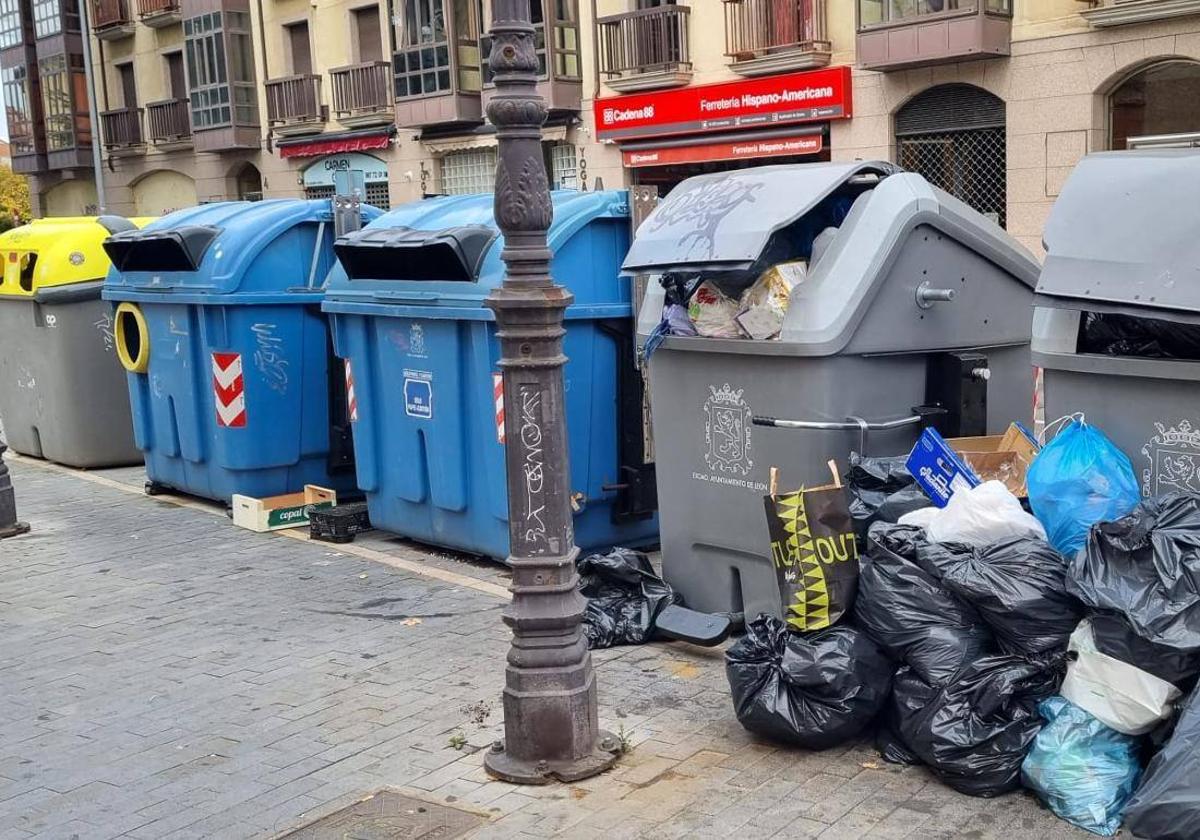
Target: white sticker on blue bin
point(418, 394)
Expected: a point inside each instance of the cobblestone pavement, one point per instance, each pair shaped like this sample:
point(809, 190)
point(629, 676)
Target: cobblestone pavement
point(166, 675)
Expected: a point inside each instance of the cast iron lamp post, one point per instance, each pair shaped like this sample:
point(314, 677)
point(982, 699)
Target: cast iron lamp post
point(551, 730)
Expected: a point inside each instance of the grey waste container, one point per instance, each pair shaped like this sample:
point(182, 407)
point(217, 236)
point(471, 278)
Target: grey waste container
point(62, 390)
point(862, 338)
point(1116, 328)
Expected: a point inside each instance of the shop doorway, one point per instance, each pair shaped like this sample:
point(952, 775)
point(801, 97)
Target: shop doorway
point(319, 177)
point(954, 135)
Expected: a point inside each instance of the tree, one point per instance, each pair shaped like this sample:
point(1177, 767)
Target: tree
point(14, 199)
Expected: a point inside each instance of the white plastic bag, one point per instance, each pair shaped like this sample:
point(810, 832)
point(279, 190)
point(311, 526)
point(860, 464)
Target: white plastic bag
point(1119, 695)
point(764, 305)
point(714, 314)
point(978, 516)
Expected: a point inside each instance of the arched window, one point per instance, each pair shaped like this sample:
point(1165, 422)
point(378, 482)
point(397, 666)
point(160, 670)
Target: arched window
point(954, 135)
point(1160, 102)
point(249, 183)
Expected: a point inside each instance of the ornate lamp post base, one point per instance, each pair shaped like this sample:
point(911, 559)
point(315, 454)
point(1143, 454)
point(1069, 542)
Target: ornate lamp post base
point(500, 765)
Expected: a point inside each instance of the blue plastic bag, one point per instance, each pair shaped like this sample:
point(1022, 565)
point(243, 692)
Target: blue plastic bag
point(1083, 771)
point(1078, 479)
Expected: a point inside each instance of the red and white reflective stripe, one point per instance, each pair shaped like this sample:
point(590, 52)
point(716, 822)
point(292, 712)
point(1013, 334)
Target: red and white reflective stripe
point(351, 401)
point(229, 390)
point(498, 399)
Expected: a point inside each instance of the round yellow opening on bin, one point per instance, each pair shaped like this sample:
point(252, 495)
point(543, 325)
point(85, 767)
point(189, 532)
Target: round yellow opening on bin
point(132, 338)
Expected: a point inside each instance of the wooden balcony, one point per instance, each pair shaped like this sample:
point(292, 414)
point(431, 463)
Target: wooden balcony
point(168, 125)
point(111, 19)
point(159, 13)
point(28, 149)
point(646, 49)
point(764, 37)
point(930, 32)
point(560, 80)
point(294, 105)
point(122, 130)
point(362, 94)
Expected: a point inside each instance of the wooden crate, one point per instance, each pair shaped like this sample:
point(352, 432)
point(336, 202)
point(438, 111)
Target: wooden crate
point(277, 512)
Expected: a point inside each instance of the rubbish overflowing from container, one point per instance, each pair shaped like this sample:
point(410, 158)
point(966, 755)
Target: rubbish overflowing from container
point(1005, 609)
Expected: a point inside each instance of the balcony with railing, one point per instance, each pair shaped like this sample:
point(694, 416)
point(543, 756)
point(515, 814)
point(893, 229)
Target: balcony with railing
point(646, 49)
point(111, 19)
point(903, 34)
point(763, 37)
point(159, 13)
point(1120, 12)
point(294, 105)
point(168, 125)
point(362, 94)
point(121, 129)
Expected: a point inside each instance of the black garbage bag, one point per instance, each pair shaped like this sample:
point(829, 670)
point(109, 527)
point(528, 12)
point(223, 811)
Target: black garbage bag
point(1114, 637)
point(1018, 587)
point(881, 490)
point(974, 731)
point(624, 596)
point(909, 694)
point(910, 613)
point(1128, 335)
point(1167, 804)
point(813, 690)
point(1146, 567)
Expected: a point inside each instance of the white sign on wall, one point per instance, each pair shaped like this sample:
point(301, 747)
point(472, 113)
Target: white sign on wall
point(321, 172)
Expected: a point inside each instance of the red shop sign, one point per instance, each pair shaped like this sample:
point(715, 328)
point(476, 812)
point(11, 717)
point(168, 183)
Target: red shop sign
point(703, 152)
point(812, 96)
point(336, 145)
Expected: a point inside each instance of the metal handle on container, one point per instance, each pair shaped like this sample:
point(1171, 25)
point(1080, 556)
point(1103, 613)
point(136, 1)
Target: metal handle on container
point(927, 295)
point(851, 424)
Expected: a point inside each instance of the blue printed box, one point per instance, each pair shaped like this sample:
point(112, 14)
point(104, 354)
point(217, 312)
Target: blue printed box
point(939, 470)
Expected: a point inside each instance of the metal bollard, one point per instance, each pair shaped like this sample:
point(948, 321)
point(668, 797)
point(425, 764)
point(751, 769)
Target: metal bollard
point(9, 526)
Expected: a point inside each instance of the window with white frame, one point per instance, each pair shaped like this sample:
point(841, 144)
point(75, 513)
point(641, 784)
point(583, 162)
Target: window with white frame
point(220, 70)
point(469, 171)
point(564, 171)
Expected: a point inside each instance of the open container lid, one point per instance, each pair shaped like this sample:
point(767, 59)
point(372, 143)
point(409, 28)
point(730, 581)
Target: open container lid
point(278, 250)
point(1124, 236)
point(723, 221)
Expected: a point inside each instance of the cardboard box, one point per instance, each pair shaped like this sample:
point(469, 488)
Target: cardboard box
point(1005, 458)
point(938, 468)
point(277, 512)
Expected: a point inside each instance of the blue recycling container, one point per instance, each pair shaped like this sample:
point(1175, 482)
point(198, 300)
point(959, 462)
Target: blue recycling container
point(232, 381)
point(407, 303)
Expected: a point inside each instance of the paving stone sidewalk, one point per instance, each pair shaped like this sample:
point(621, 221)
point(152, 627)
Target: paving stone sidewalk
point(164, 674)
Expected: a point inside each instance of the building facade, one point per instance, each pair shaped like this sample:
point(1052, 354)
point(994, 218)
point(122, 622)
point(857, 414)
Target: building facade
point(203, 100)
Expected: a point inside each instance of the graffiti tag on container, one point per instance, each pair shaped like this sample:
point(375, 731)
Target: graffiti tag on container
point(533, 466)
point(105, 326)
point(268, 357)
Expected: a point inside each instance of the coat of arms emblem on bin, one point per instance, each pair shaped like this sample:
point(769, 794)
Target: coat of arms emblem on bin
point(727, 431)
point(1174, 456)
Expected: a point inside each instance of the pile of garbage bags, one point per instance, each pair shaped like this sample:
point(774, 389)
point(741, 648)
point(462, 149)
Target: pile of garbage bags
point(1002, 648)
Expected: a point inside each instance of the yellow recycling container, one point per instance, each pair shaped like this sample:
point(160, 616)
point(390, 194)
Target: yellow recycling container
point(63, 394)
